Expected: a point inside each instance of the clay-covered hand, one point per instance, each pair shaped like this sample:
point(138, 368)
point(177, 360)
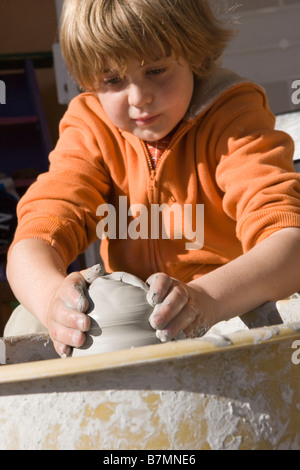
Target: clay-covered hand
point(66, 318)
point(178, 307)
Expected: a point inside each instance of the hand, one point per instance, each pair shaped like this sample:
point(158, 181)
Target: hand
point(178, 307)
point(66, 318)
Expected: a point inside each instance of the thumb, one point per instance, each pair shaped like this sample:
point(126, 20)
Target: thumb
point(90, 274)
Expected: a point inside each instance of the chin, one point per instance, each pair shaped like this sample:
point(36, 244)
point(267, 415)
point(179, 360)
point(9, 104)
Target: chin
point(151, 136)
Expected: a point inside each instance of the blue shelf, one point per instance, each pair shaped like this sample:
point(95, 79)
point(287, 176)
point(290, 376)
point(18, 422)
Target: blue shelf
point(24, 136)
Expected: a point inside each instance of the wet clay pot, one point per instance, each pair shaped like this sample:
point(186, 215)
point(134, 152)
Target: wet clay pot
point(119, 313)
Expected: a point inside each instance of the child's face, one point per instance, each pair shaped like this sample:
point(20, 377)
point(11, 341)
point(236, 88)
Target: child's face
point(151, 99)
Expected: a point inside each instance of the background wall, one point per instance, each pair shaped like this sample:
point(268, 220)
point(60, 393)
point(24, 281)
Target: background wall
point(267, 47)
point(31, 26)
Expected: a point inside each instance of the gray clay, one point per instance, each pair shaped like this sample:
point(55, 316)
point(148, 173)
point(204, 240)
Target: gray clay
point(119, 313)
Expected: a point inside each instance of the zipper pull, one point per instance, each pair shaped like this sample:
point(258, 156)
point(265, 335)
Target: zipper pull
point(151, 186)
point(152, 179)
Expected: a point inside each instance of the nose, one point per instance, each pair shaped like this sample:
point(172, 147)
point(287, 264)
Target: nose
point(139, 95)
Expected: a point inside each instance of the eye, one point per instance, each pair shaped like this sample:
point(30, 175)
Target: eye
point(157, 71)
point(112, 80)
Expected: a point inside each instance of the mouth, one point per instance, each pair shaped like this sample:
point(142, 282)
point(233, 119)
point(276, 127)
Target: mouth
point(146, 120)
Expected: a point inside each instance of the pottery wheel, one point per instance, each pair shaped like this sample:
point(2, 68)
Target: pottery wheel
point(119, 313)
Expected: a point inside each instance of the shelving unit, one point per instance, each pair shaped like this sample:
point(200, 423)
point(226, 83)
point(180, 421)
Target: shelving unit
point(25, 141)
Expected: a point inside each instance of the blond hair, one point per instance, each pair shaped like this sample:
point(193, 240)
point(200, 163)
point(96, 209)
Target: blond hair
point(95, 31)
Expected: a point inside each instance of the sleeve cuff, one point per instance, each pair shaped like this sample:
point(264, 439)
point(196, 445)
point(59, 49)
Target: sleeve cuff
point(53, 232)
point(261, 225)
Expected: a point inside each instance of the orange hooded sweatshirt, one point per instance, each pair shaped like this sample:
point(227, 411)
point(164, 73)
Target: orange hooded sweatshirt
point(225, 156)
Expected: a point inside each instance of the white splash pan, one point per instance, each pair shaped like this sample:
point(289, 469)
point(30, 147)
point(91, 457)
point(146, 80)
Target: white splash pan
point(239, 391)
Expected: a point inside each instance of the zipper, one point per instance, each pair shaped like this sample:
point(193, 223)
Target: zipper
point(146, 151)
point(152, 180)
point(150, 191)
point(152, 185)
point(176, 137)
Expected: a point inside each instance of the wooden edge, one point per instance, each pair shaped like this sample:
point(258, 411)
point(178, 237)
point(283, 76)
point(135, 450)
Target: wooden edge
point(154, 353)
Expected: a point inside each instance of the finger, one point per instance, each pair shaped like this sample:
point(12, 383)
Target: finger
point(165, 312)
point(160, 285)
point(67, 337)
point(74, 293)
point(70, 318)
point(178, 324)
point(186, 325)
point(62, 349)
point(92, 273)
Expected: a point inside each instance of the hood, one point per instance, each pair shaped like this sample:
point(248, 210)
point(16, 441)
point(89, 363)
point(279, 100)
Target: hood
point(210, 89)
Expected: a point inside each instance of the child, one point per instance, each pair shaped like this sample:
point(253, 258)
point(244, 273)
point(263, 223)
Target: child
point(160, 124)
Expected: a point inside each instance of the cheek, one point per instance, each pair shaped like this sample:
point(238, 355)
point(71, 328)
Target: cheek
point(187, 87)
point(114, 107)
point(178, 94)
